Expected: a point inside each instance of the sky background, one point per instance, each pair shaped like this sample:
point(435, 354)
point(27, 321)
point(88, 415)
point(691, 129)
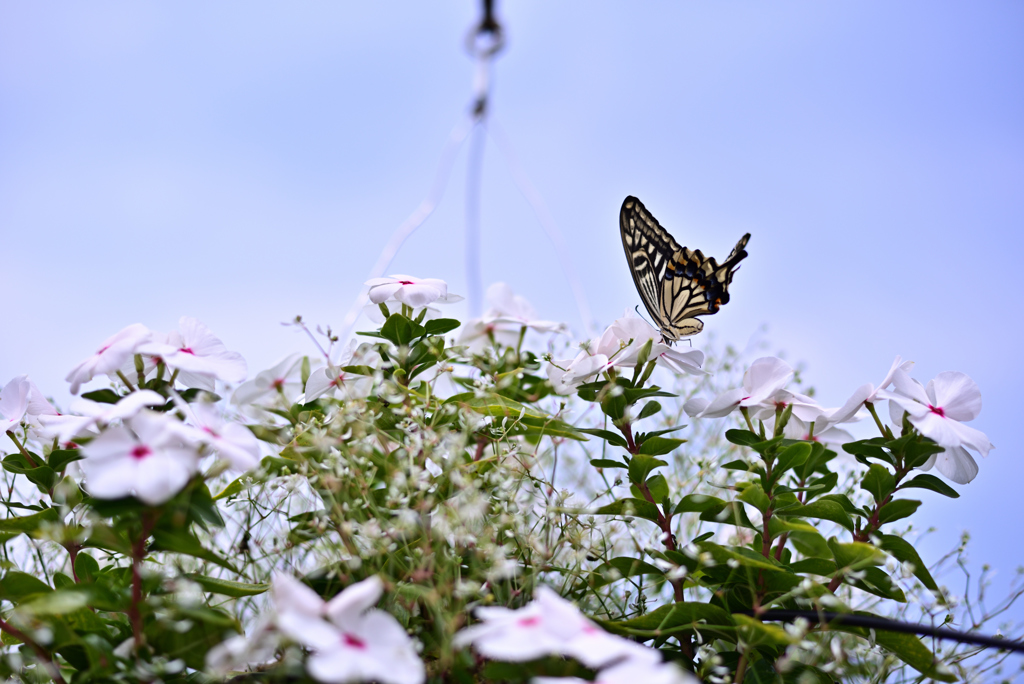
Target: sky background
point(244, 162)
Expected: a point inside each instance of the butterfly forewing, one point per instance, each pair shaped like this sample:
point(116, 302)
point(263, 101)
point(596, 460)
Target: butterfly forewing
point(677, 284)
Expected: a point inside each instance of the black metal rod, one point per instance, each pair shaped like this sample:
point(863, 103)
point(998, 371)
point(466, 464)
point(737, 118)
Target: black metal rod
point(885, 624)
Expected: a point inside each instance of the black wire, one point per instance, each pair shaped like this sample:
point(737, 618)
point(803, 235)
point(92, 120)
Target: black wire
point(887, 625)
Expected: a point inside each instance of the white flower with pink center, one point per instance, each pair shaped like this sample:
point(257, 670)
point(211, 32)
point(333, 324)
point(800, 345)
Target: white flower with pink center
point(350, 640)
point(410, 290)
point(761, 383)
point(144, 458)
point(549, 625)
point(938, 412)
point(619, 347)
point(232, 441)
point(111, 356)
point(22, 402)
point(198, 354)
point(504, 321)
point(283, 381)
point(86, 415)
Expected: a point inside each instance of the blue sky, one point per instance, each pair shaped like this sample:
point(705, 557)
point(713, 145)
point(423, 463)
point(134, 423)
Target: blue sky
point(244, 162)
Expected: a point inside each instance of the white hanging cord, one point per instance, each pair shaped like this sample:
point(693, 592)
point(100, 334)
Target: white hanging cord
point(415, 219)
point(547, 222)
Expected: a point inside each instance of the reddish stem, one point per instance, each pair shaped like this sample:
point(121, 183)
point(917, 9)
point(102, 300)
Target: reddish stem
point(39, 650)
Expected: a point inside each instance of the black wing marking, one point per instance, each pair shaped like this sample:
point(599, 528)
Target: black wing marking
point(676, 284)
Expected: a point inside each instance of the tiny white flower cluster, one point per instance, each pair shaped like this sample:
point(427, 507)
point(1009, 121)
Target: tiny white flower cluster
point(936, 411)
point(619, 347)
point(552, 626)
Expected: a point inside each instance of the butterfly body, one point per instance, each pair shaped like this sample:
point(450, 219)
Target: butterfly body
point(677, 284)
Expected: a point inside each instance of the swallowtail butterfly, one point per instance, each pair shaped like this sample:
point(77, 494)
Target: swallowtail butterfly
point(676, 283)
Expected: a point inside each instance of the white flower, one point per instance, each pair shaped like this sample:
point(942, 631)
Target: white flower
point(351, 641)
point(112, 354)
point(231, 441)
point(21, 401)
point(241, 651)
point(283, 380)
point(195, 351)
point(620, 346)
point(761, 382)
point(410, 290)
point(144, 458)
point(630, 672)
point(504, 321)
point(549, 625)
point(936, 411)
point(800, 429)
point(866, 394)
point(333, 379)
point(87, 414)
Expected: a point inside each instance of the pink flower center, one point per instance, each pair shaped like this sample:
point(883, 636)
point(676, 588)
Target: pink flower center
point(187, 350)
point(353, 641)
point(103, 350)
point(530, 621)
point(140, 452)
point(278, 383)
point(406, 282)
point(937, 410)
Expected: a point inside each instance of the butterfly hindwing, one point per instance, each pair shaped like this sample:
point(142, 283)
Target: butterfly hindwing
point(676, 284)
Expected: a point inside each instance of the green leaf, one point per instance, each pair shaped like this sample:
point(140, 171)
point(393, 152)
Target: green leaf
point(855, 555)
point(757, 633)
point(657, 446)
point(29, 523)
point(183, 542)
point(871, 448)
point(926, 481)
point(656, 485)
point(607, 463)
point(897, 510)
point(614, 406)
point(791, 457)
point(641, 465)
point(741, 555)
point(530, 420)
point(400, 331)
point(879, 482)
point(903, 551)
point(822, 510)
point(439, 326)
point(699, 503)
point(675, 618)
point(58, 602)
point(18, 586)
point(906, 647)
point(755, 496)
point(635, 507)
point(86, 567)
point(236, 486)
point(730, 514)
point(103, 396)
point(877, 582)
point(738, 464)
point(59, 458)
point(814, 566)
point(612, 438)
point(843, 501)
point(917, 453)
point(224, 587)
point(743, 437)
point(649, 409)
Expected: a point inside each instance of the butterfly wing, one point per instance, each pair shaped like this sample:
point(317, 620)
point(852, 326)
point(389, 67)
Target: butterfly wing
point(677, 284)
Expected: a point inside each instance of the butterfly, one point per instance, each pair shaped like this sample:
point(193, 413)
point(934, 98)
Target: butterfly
point(676, 283)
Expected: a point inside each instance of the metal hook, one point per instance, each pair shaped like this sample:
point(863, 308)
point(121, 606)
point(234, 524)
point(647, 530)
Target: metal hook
point(490, 29)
